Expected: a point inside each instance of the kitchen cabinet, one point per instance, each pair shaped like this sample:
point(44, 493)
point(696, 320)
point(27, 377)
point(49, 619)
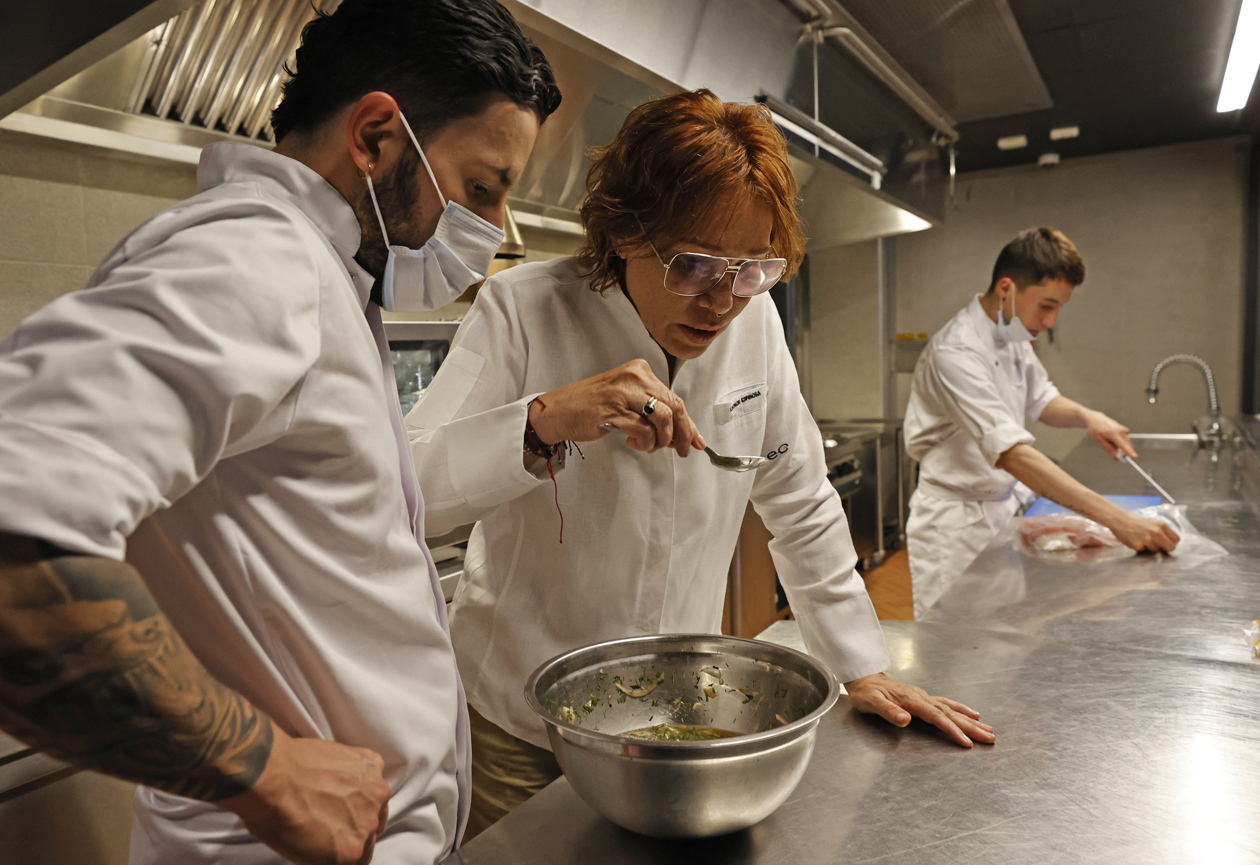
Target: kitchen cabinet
point(54, 814)
point(753, 600)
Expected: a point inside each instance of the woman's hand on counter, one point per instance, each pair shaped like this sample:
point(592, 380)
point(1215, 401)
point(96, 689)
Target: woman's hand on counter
point(317, 802)
point(897, 702)
point(617, 397)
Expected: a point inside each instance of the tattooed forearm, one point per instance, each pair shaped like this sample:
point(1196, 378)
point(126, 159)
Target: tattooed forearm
point(93, 673)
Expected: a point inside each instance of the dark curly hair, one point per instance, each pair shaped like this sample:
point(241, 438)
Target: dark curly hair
point(442, 60)
point(672, 158)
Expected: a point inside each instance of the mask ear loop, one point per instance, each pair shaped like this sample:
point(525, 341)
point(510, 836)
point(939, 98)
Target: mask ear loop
point(423, 158)
point(376, 206)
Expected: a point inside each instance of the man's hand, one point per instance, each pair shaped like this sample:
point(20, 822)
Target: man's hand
point(1111, 434)
point(896, 702)
point(1144, 534)
point(617, 397)
point(317, 802)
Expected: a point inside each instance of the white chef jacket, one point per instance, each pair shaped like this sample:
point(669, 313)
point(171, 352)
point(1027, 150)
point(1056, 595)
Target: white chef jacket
point(970, 395)
point(217, 407)
point(648, 538)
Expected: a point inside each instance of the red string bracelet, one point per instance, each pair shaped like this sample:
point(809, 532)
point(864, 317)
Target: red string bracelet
point(554, 485)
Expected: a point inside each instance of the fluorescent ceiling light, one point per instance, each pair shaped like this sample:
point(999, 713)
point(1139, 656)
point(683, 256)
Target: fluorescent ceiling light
point(1061, 132)
point(1012, 142)
point(1244, 59)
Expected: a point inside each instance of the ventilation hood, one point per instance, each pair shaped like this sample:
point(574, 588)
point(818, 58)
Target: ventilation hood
point(213, 72)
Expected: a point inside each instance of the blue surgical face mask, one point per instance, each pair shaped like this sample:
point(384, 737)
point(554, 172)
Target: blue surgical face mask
point(1012, 331)
point(457, 255)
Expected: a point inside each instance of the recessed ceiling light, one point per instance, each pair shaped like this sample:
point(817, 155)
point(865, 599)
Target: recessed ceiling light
point(1012, 142)
point(1061, 132)
point(1244, 59)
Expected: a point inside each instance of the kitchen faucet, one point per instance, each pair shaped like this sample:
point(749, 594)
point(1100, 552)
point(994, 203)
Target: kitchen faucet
point(1209, 428)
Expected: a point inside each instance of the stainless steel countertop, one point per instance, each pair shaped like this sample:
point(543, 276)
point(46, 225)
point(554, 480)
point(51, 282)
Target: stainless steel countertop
point(1144, 602)
point(1126, 705)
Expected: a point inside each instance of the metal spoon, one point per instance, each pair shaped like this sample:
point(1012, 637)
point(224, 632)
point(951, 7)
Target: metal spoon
point(734, 464)
point(730, 464)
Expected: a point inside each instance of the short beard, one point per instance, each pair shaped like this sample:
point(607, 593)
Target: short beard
point(399, 197)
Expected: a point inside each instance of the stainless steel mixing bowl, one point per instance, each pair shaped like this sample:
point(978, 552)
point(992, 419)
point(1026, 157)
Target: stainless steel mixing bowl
point(772, 696)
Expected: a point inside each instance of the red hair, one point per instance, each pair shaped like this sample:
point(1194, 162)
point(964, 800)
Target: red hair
point(673, 157)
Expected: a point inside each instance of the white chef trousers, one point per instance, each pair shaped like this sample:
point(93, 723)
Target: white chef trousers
point(945, 535)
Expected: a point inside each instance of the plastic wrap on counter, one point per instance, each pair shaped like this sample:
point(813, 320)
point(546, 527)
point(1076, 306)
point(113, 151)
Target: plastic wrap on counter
point(1252, 633)
point(1073, 539)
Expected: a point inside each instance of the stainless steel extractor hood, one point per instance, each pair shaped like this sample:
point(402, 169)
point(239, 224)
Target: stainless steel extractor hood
point(44, 43)
point(213, 73)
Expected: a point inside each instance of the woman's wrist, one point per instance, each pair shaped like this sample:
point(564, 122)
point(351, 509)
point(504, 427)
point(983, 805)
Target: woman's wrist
point(536, 442)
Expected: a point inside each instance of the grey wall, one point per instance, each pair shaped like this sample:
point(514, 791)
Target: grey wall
point(62, 208)
point(844, 331)
point(1161, 231)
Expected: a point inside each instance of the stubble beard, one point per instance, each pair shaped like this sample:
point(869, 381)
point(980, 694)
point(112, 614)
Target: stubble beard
point(399, 199)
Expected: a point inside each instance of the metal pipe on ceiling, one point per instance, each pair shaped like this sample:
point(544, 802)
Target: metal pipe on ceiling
point(820, 134)
point(834, 22)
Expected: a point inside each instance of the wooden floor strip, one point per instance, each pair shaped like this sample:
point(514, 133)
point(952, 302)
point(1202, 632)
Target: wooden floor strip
point(889, 588)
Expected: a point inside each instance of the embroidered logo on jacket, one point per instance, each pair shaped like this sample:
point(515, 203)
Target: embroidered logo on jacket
point(745, 398)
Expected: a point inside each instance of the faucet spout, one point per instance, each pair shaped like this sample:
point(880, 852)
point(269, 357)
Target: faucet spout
point(1210, 429)
point(1152, 390)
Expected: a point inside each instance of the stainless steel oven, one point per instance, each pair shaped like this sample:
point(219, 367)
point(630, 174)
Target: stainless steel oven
point(868, 466)
point(418, 349)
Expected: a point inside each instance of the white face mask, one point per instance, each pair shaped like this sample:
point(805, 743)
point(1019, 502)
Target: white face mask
point(1013, 330)
point(457, 255)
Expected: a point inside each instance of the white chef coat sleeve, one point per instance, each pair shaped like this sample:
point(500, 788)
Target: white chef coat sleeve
point(1041, 391)
point(467, 429)
point(812, 549)
point(961, 382)
point(118, 399)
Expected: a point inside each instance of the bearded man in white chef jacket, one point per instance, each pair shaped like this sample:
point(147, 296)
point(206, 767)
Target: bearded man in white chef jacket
point(974, 384)
point(661, 319)
point(271, 663)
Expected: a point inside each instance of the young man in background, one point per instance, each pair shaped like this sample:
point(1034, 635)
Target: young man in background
point(973, 386)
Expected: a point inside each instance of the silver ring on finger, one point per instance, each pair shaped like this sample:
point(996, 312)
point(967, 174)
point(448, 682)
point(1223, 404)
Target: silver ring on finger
point(650, 406)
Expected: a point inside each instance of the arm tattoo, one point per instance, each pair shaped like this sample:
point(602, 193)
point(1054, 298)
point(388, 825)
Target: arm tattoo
point(94, 674)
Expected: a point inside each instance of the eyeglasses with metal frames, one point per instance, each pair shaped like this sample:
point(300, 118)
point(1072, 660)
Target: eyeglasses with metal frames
point(691, 274)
